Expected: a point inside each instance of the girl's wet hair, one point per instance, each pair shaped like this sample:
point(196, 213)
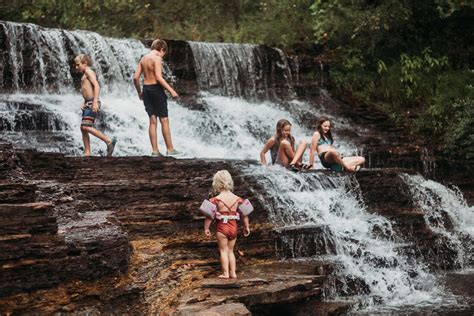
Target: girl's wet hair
point(328, 135)
point(279, 132)
point(222, 181)
point(83, 59)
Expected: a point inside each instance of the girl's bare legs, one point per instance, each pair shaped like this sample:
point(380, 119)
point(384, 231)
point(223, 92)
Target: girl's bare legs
point(334, 157)
point(152, 134)
point(232, 264)
point(223, 243)
point(284, 158)
point(299, 153)
point(354, 161)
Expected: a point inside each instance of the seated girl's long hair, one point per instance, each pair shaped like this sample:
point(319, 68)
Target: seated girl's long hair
point(279, 133)
point(328, 135)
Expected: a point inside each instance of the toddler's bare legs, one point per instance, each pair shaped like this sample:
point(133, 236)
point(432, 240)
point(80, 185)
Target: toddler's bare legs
point(165, 130)
point(232, 265)
point(223, 243)
point(152, 133)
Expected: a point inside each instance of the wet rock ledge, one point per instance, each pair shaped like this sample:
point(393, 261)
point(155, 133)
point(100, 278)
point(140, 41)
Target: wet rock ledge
point(114, 234)
point(123, 235)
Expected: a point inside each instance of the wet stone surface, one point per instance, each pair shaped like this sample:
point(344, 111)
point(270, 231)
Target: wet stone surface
point(124, 234)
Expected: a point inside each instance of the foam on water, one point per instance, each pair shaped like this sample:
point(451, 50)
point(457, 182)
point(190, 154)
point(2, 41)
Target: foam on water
point(366, 246)
point(228, 127)
point(446, 213)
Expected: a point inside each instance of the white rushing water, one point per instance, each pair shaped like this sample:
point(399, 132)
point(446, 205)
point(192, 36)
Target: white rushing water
point(228, 127)
point(365, 244)
point(446, 213)
point(48, 55)
point(242, 70)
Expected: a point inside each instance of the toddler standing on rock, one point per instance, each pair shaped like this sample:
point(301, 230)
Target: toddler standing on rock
point(226, 208)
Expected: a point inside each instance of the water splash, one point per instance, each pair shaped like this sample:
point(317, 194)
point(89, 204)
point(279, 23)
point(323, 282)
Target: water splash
point(226, 128)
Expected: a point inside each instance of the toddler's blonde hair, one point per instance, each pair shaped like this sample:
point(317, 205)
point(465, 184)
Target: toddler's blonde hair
point(222, 181)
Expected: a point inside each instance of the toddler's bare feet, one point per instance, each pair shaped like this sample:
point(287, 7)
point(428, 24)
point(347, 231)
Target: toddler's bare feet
point(233, 275)
point(223, 276)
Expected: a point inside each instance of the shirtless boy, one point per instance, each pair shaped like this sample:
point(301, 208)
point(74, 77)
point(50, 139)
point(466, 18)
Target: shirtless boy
point(90, 91)
point(154, 97)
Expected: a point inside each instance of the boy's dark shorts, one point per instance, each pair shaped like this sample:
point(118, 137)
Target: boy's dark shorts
point(155, 100)
point(89, 116)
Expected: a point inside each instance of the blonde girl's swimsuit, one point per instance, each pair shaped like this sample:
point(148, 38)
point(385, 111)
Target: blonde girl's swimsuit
point(227, 221)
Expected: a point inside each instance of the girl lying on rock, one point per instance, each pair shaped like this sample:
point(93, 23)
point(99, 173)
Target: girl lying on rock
point(226, 208)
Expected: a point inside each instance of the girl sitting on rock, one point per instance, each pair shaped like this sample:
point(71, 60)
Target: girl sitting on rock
point(322, 143)
point(227, 208)
point(282, 147)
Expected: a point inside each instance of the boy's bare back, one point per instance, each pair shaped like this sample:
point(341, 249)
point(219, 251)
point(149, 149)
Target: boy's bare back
point(151, 67)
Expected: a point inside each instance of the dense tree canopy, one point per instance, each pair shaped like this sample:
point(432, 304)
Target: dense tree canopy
point(270, 21)
point(410, 58)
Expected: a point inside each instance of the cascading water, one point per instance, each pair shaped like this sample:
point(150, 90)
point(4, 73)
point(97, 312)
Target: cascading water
point(447, 214)
point(364, 246)
point(241, 70)
point(40, 59)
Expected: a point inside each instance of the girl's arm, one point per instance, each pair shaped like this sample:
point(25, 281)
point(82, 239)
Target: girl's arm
point(245, 220)
point(161, 80)
point(207, 224)
point(312, 148)
point(269, 144)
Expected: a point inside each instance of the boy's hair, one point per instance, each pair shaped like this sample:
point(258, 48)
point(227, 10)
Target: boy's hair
point(83, 59)
point(222, 181)
point(159, 44)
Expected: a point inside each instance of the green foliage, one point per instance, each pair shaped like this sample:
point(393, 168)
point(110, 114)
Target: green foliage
point(410, 59)
point(416, 69)
point(272, 22)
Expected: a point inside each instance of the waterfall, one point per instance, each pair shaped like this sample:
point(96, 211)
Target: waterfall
point(242, 70)
point(245, 90)
point(363, 245)
point(447, 214)
point(42, 60)
point(227, 127)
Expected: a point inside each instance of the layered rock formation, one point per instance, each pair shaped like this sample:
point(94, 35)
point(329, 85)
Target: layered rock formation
point(124, 235)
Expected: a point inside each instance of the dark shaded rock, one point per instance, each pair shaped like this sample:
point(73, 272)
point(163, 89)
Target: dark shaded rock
point(181, 60)
point(303, 241)
point(31, 218)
